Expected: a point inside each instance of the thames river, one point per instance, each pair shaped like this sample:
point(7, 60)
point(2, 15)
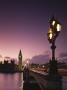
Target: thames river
point(11, 81)
point(15, 82)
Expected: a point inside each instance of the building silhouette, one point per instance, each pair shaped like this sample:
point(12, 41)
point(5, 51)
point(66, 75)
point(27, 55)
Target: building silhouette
point(7, 67)
point(20, 61)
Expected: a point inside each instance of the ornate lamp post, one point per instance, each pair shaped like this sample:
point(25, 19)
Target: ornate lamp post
point(53, 32)
point(54, 79)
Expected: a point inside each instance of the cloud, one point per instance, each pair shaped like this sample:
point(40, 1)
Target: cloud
point(63, 54)
point(40, 59)
point(63, 57)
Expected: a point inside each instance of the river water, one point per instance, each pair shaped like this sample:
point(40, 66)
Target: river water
point(15, 82)
point(11, 81)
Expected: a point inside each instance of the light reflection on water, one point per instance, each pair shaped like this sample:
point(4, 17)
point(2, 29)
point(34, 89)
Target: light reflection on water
point(11, 81)
point(15, 82)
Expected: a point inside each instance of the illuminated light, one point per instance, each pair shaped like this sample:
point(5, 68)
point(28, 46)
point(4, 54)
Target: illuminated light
point(53, 23)
point(43, 66)
point(50, 35)
point(58, 27)
point(27, 62)
point(25, 65)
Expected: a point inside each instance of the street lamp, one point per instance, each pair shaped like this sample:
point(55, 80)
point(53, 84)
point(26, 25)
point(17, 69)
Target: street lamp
point(54, 78)
point(53, 32)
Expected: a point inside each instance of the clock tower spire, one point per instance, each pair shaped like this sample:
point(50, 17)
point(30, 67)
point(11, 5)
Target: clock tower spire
point(20, 61)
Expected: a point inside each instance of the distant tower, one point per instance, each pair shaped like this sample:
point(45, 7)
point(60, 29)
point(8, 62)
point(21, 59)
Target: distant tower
point(20, 61)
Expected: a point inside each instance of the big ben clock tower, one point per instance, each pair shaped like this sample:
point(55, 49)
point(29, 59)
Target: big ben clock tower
point(20, 61)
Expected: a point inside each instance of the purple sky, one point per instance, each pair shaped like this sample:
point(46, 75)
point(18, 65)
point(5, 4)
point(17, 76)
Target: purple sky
point(24, 25)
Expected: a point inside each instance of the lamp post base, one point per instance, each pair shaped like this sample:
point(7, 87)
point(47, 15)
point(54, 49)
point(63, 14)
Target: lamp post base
point(53, 67)
point(54, 80)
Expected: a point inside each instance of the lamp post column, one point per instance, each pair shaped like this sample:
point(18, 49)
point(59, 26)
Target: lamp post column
point(53, 47)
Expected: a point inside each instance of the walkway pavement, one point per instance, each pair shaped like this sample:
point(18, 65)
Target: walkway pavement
point(31, 84)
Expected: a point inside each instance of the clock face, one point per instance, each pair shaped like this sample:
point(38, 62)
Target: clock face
point(20, 56)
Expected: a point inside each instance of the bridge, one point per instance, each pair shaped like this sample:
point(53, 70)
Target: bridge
point(39, 80)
